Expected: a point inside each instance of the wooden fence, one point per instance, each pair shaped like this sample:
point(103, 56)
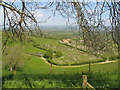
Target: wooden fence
point(86, 84)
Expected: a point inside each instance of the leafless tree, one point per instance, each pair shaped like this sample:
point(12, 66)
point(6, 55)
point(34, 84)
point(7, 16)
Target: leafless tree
point(90, 21)
point(20, 16)
point(114, 8)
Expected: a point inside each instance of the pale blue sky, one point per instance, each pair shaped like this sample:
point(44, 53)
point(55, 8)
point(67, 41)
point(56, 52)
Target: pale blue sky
point(1, 16)
point(57, 0)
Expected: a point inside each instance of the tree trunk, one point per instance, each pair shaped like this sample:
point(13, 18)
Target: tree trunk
point(10, 67)
point(76, 44)
point(118, 25)
point(119, 51)
point(14, 70)
point(89, 67)
point(51, 68)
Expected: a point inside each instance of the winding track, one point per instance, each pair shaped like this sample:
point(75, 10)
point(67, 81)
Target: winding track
point(77, 65)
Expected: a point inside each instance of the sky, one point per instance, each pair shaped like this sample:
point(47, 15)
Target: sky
point(58, 0)
point(42, 15)
point(1, 16)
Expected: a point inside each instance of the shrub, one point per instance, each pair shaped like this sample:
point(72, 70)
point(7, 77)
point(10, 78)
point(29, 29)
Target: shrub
point(50, 50)
point(70, 41)
point(35, 45)
point(113, 58)
point(14, 57)
point(58, 54)
point(48, 54)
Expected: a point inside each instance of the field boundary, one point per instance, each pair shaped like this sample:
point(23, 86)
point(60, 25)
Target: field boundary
point(86, 84)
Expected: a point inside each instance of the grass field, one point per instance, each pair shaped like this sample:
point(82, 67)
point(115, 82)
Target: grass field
point(38, 71)
point(37, 74)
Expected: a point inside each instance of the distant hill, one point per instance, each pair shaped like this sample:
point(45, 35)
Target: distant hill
point(54, 28)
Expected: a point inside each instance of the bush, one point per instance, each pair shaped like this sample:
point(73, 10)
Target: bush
point(48, 54)
point(113, 58)
point(14, 57)
point(50, 50)
point(35, 45)
point(58, 54)
point(70, 41)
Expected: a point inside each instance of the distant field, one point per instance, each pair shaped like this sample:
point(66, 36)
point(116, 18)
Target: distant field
point(60, 33)
point(65, 34)
point(70, 56)
point(74, 56)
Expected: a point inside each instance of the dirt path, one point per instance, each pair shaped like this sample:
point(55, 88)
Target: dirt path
point(77, 65)
point(45, 60)
point(107, 62)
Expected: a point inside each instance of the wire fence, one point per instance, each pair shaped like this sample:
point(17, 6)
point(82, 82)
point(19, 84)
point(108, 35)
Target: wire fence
point(50, 81)
point(54, 79)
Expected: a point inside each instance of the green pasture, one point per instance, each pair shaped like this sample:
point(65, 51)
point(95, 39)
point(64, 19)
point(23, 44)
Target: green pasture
point(37, 74)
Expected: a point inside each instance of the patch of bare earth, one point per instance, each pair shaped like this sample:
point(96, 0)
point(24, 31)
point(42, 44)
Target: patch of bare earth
point(107, 62)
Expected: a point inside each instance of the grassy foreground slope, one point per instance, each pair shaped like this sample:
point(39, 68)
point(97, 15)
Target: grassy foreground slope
point(37, 72)
point(37, 66)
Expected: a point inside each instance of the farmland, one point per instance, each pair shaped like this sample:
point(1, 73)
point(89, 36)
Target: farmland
point(36, 73)
point(68, 53)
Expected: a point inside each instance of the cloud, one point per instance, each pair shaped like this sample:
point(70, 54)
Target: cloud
point(38, 14)
point(107, 21)
point(90, 11)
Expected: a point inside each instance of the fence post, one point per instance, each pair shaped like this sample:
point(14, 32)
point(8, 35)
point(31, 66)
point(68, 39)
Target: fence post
point(51, 68)
point(14, 69)
point(89, 67)
point(84, 77)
